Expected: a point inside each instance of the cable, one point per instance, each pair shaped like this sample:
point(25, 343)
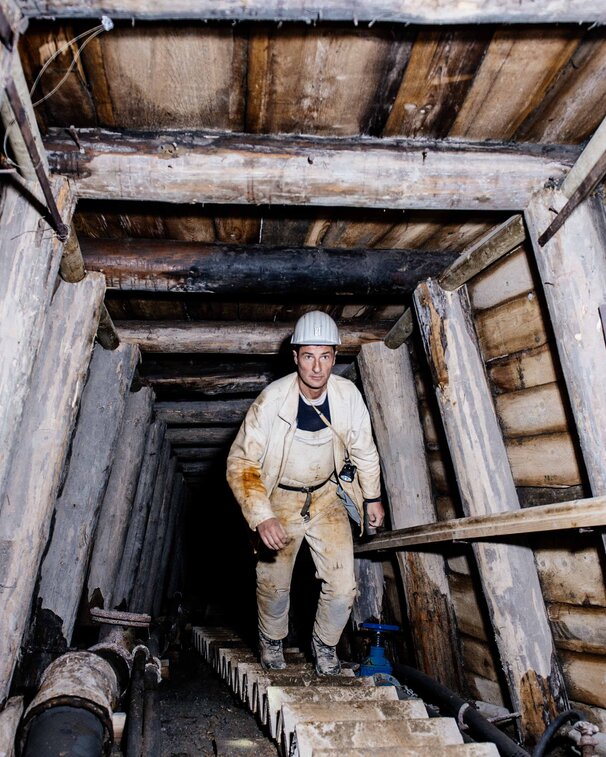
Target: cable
point(570, 715)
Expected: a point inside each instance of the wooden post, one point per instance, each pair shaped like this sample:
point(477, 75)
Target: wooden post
point(389, 387)
point(63, 568)
point(572, 267)
point(119, 495)
point(142, 597)
point(129, 561)
point(508, 572)
point(10, 716)
point(41, 448)
point(176, 504)
point(29, 261)
point(370, 580)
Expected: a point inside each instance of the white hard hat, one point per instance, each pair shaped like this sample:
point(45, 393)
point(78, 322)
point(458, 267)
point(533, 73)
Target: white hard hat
point(316, 328)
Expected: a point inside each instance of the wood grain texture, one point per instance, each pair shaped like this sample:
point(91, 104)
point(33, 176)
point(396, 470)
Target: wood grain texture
point(507, 572)
point(523, 57)
point(177, 498)
point(559, 570)
point(545, 460)
point(438, 76)
point(389, 389)
point(218, 412)
point(585, 677)
point(504, 280)
point(29, 261)
point(200, 436)
point(513, 326)
point(119, 495)
point(42, 445)
point(573, 107)
point(574, 286)
point(245, 169)
point(529, 412)
point(334, 77)
point(63, 568)
point(260, 271)
point(151, 77)
point(133, 544)
point(10, 716)
point(409, 11)
point(234, 338)
point(535, 367)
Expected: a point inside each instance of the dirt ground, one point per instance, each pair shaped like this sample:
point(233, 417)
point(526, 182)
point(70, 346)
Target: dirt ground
point(200, 717)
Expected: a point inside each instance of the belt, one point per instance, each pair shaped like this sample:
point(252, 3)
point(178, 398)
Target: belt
point(305, 490)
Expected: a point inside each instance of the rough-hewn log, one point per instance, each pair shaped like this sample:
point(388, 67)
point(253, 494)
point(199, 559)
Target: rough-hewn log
point(116, 508)
point(538, 410)
point(407, 11)
point(72, 266)
point(63, 568)
point(176, 504)
point(258, 169)
point(199, 453)
point(533, 367)
point(573, 270)
point(235, 337)
point(10, 716)
point(29, 261)
point(513, 326)
point(133, 544)
point(161, 265)
point(166, 471)
point(586, 625)
point(508, 572)
point(400, 331)
point(233, 382)
point(486, 251)
point(584, 513)
point(389, 383)
point(544, 460)
point(223, 412)
point(370, 583)
point(586, 161)
point(196, 469)
point(107, 335)
point(42, 442)
point(559, 570)
point(508, 278)
point(585, 677)
point(202, 437)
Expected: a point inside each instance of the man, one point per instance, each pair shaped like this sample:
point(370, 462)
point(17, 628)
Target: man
point(303, 458)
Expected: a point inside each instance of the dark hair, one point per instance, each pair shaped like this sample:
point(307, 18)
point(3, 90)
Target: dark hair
point(297, 347)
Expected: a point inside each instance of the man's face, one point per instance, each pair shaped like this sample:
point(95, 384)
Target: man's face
point(314, 364)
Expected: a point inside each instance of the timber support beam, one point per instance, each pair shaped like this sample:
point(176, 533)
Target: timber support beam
point(507, 571)
point(256, 170)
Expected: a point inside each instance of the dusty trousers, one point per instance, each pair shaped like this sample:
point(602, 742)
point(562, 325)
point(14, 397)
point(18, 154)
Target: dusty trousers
point(328, 535)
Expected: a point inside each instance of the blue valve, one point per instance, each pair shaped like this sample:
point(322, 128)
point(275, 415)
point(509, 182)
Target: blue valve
point(376, 662)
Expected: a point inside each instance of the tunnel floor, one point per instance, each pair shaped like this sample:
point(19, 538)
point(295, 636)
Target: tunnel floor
point(201, 718)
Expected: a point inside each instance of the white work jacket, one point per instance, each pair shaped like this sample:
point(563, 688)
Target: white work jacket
point(258, 456)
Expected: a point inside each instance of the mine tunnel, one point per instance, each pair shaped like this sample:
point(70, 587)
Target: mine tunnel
point(182, 182)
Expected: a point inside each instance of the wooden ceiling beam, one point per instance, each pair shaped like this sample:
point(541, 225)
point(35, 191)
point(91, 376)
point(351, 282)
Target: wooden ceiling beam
point(179, 167)
point(388, 11)
point(235, 337)
point(178, 266)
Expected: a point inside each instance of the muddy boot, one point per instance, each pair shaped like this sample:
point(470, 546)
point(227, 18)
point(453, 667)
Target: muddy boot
point(325, 657)
point(270, 653)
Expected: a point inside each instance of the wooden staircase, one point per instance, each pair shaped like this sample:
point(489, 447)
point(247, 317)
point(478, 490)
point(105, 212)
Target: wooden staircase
point(339, 716)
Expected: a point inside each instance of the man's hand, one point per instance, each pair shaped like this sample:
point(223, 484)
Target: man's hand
point(376, 514)
point(273, 534)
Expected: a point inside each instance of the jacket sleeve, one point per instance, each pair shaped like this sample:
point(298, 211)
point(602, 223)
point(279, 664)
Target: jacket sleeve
point(244, 467)
point(363, 450)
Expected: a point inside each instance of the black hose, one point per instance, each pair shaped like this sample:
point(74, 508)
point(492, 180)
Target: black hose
point(66, 730)
point(570, 716)
point(451, 703)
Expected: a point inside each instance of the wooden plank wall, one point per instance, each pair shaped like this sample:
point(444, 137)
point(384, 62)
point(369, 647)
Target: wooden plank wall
point(521, 361)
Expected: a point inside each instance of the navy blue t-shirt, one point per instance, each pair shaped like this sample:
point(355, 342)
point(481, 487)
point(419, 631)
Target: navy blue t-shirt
point(308, 419)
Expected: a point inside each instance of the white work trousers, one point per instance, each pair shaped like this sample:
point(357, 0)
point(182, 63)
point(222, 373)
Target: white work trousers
point(330, 542)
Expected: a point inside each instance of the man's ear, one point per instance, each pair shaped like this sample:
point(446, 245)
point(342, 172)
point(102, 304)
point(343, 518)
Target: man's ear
point(295, 356)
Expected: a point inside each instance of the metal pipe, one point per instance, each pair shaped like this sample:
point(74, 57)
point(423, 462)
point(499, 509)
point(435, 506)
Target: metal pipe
point(65, 730)
point(151, 714)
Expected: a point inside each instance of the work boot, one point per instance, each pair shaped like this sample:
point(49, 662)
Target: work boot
point(270, 653)
point(325, 656)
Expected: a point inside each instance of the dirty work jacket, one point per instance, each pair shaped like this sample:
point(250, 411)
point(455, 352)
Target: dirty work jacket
point(259, 453)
